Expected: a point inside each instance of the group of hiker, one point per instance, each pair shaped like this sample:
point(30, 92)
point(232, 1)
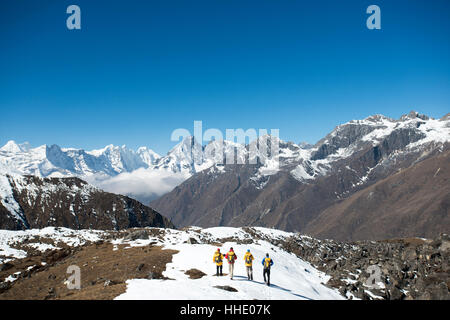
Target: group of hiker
point(231, 257)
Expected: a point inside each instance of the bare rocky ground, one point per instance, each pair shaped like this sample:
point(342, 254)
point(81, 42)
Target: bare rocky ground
point(410, 268)
point(104, 269)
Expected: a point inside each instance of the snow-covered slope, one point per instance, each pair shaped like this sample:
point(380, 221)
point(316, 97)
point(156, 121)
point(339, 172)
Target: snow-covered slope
point(291, 277)
point(156, 263)
point(73, 238)
point(8, 201)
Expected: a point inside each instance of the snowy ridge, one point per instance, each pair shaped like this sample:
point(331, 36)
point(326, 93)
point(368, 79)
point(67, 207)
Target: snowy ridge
point(53, 161)
point(372, 131)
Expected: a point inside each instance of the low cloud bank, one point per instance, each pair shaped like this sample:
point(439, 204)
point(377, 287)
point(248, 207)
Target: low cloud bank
point(143, 185)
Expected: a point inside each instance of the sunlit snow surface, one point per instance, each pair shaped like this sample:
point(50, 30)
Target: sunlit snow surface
point(291, 277)
point(73, 238)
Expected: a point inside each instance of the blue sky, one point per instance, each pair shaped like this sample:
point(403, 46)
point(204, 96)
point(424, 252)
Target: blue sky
point(137, 70)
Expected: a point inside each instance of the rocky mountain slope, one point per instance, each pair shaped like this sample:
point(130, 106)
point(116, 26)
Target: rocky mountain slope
point(413, 201)
point(154, 263)
point(395, 269)
point(309, 180)
point(33, 202)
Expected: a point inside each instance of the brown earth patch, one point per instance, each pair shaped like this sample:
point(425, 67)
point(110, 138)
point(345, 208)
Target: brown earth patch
point(195, 274)
point(408, 241)
point(103, 272)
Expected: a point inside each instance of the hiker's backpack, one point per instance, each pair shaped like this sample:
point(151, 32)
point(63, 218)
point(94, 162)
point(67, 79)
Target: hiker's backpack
point(267, 262)
point(231, 257)
point(248, 259)
point(218, 258)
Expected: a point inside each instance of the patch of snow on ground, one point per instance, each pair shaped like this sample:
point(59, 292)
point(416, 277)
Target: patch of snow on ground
point(70, 237)
point(42, 246)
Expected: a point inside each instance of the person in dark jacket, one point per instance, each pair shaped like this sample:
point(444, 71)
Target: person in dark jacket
point(267, 263)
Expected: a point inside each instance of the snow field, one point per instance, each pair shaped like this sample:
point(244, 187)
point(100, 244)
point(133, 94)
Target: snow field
point(291, 278)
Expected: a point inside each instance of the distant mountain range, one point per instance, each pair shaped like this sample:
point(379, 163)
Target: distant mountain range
point(56, 162)
point(187, 157)
point(115, 169)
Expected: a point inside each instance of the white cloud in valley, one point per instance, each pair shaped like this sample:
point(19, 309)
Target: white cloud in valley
point(142, 184)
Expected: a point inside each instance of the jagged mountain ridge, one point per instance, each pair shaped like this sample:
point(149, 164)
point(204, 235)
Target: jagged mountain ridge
point(112, 168)
point(188, 156)
point(352, 157)
point(54, 161)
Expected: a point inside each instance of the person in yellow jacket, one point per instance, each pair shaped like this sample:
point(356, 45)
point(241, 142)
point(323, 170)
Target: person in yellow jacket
point(267, 263)
point(218, 260)
point(248, 258)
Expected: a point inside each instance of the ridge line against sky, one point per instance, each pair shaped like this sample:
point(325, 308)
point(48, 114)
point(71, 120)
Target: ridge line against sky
point(174, 143)
point(138, 70)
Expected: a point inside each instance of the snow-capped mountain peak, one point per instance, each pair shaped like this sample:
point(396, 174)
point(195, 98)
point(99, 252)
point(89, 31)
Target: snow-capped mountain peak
point(187, 148)
point(413, 115)
point(12, 146)
point(148, 155)
point(183, 157)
